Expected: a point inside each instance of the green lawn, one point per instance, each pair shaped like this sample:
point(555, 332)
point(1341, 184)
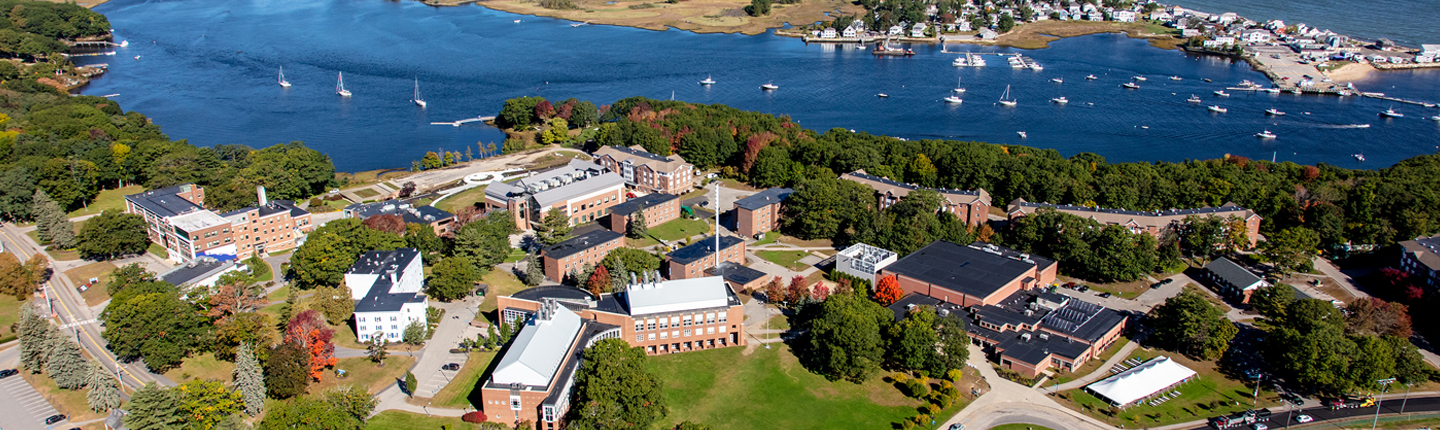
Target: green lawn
point(680, 229)
point(465, 198)
point(1020, 427)
point(502, 283)
point(108, 200)
point(97, 293)
point(789, 259)
point(400, 420)
point(516, 254)
point(1090, 366)
point(768, 389)
point(363, 373)
point(9, 313)
point(158, 251)
point(367, 193)
point(265, 274)
point(770, 237)
point(1209, 394)
point(421, 202)
point(202, 367)
point(456, 394)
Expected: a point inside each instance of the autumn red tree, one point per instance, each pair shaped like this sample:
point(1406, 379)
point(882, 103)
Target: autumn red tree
point(775, 290)
point(888, 291)
point(1375, 317)
point(820, 291)
point(566, 109)
point(1310, 173)
point(599, 280)
point(544, 110)
point(798, 290)
point(474, 417)
point(308, 332)
point(232, 299)
point(753, 145)
point(392, 224)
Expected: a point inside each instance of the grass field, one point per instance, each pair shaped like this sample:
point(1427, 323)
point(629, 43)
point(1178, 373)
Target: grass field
point(701, 16)
point(680, 229)
point(1209, 394)
point(557, 158)
point(399, 420)
point(516, 254)
point(789, 259)
point(158, 251)
point(462, 199)
point(68, 402)
point(9, 313)
point(367, 193)
point(1038, 35)
point(1126, 290)
point(365, 374)
point(769, 238)
point(768, 389)
point(456, 394)
point(97, 293)
point(108, 200)
point(502, 283)
point(264, 273)
point(204, 367)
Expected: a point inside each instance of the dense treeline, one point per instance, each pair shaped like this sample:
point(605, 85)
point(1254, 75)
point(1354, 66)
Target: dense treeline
point(72, 147)
point(1340, 205)
point(34, 28)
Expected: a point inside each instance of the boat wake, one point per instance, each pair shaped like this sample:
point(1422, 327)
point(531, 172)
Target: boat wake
point(1345, 126)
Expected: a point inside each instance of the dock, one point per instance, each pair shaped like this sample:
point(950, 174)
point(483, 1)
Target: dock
point(1382, 96)
point(464, 121)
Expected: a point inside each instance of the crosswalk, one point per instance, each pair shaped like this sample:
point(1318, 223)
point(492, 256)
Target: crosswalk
point(78, 323)
point(26, 401)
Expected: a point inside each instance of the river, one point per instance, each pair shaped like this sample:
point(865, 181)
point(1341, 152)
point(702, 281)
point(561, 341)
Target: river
point(207, 72)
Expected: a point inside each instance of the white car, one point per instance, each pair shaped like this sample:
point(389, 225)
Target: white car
point(1260, 426)
point(1304, 419)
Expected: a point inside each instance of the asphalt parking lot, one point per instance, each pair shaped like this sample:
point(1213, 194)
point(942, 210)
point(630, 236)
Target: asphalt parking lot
point(24, 408)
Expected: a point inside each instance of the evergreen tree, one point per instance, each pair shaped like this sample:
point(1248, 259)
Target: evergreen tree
point(33, 331)
point(104, 392)
point(414, 333)
point(619, 277)
point(637, 228)
point(490, 337)
point(554, 228)
point(51, 225)
point(287, 371)
point(153, 407)
point(411, 384)
point(65, 364)
point(249, 379)
point(534, 271)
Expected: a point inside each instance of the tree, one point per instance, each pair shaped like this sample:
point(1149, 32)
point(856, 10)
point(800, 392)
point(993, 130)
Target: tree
point(17, 188)
point(637, 228)
point(152, 322)
point(51, 223)
point(554, 228)
point(599, 281)
point(636, 261)
point(1291, 250)
point(309, 333)
point(534, 270)
point(687, 425)
point(375, 349)
point(410, 383)
point(414, 333)
point(65, 364)
point(388, 223)
point(912, 342)
point(558, 132)
point(619, 276)
point(423, 238)
point(249, 380)
point(844, 338)
point(34, 331)
point(615, 389)
point(205, 404)
point(1273, 301)
point(1189, 324)
point(758, 8)
point(517, 112)
point(287, 371)
point(954, 343)
point(153, 407)
point(335, 303)
point(104, 393)
point(20, 280)
point(1006, 23)
point(888, 290)
point(127, 276)
point(486, 241)
point(339, 409)
point(230, 298)
point(797, 291)
point(451, 279)
point(112, 234)
point(1376, 317)
point(775, 290)
point(331, 249)
point(252, 328)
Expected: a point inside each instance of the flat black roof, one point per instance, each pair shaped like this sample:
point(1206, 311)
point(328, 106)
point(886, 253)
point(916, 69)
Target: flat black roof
point(978, 270)
point(411, 214)
point(702, 248)
point(735, 273)
point(271, 208)
point(581, 243)
point(196, 268)
point(901, 307)
point(1228, 207)
point(164, 201)
point(635, 204)
point(1035, 350)
point(764, 198)
point(642, 154)
point(381, 262)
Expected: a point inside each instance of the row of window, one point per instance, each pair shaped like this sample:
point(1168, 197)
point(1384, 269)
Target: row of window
point(676, 334)
point(680, 321)
point(377, 319)
point(392, 335)
point(380, 327)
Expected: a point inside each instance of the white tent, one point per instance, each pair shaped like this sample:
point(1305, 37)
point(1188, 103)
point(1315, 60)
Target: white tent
point(1141, 381)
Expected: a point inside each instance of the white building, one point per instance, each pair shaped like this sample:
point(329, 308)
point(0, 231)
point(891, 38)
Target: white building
point(1124, 16)
point(1227, 17)
point(848, 32)
point(1161, 15)
point(387, 287)
point(1153, 378)
point(829, 33)
point(918, 30)
point(1429, 50)
point(864, 261)
point(896, 30)
point(1256, 36)
point(1220, 42)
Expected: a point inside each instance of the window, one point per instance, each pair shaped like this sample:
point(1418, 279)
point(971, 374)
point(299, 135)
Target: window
point(675, 333)
point(392, 318)
point(639, 326)
point(393, 335)
point(710, 318)
point(664, 335)
point(674, 321)
point(362, 328)
point(359, 319)
point(687, 321)
point(652, 336)
point(515, 403)
point(709, 330)
point(687, 333)
point(722, 317)
point(394, 327)
point(639, 338)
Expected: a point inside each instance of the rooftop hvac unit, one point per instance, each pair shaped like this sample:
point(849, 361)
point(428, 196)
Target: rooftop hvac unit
point(1025, 337)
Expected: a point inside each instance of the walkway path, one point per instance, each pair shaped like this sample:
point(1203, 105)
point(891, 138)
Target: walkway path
point(1341, 278)
point(1008, 402)
point(1098, 374)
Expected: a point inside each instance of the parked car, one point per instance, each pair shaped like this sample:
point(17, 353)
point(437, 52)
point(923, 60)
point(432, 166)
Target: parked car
point(55, 419)
point(8, 373)
point(1166, 281)
point(451, 366)
point(1105, 295)
point(957, 426)
point(1260, 426)
point(1303, 419)
point(1083, 288)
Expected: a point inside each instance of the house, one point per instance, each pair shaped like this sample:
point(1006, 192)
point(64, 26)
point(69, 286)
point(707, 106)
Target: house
point(691, 261)
point(387, 288)
point(1123, 16)
point(968, 275)
point(1427, 50)
point(648, 172)
point(1062, 15)
point(1255, 36)
point(1155, 223)
point(1220, 42)
point(970, 206)
point(1226, 18)
point(1088, 8)
point(1232, 280)
point(581, 190)
point(918, 30)
point(932, 10)
point(175, 219)
point(656, 208)
point(1421, 258)
point(963, 26)
point(1032, 331)
point(1075, 10)
point(532, 381)
point(896, 30)
point(760, 212)
point(828, 33)
point(1189, 32)
point(201, 272)
point(440, 221)
point(849, 32)
point(1161, 15)
point(575, 253)
point(1095, 16)
point(864, 261)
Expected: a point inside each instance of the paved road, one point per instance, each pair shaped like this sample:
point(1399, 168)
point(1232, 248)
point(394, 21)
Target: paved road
point(24, 408)
point(1391, 405)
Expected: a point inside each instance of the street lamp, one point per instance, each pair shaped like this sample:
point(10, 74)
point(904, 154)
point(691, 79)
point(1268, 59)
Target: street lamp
point(1384, 384)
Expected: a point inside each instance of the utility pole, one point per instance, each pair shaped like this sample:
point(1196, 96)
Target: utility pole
point(1407, 397)
point(1384, 384)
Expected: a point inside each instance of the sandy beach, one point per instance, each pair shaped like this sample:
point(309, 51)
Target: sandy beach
point(1352, 72)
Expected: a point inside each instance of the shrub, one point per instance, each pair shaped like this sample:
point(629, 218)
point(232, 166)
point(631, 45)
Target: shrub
point(916, 388)
point(900, 377)
point(474, 417)
point(954, 375)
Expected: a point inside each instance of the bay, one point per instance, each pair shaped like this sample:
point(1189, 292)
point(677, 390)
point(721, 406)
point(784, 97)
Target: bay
point(1407, 22)
point(207, 72)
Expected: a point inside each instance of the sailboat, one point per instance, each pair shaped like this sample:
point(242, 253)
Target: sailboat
point(340, 85)
point(958, 88)
point(418, 101)
point(283, 82)
point(708, 81)
point(1005, 99)
point(1193, 99)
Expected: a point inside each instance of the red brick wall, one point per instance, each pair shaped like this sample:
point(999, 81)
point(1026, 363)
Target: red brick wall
point(555, 268)
point(697, 268)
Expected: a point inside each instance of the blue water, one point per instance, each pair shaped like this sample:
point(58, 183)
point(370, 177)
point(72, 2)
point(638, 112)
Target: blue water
point(1407, 22)
point(207, 74)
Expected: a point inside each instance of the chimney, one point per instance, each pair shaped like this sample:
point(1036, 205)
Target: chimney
point(260, 192)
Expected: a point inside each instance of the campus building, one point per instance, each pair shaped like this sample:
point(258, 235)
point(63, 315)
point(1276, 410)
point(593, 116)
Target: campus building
point(864, 261)
point(1155, 223)
point(971, 206)
point(441, 221)
point(272, 226)
point(576, 252)
point(176, 219)
point(760, 212)
point(1232, 280)
point(387, 287)
point(648, 172)
point(969, 275)
point(1419, 257)
point(581, 190)
point(1033, 331)
point(658, 208)
point(691, 261)
point(533, 380)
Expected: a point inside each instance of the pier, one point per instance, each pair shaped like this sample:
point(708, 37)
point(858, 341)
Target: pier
point(464, 121)
point(1382, 96)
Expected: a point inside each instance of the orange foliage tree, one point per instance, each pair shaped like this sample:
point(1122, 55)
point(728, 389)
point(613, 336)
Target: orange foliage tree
point(599, 280)
point(888, 291)
point(308, 332)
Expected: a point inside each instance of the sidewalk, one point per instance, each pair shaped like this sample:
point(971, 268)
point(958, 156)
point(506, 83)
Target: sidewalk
point(1098, 374)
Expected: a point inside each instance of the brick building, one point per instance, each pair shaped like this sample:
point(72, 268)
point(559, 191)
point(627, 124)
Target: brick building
point(581, 190)
point(648, 172)
point(691, 261)
point(533, 380)
point(175, 218)
point(969, 275)
point(760, 212)
point(1033, 331)
point(576, 252)
point(440, 221)
point(272, 226)
point(971, 206)
point(1156, 223)
point(657, 208)
point(1419, 257)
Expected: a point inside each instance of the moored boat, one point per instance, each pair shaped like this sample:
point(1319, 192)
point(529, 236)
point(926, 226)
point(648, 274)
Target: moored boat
point(1193, 99)
point(953, 100)
point(1392, 113)
point(1218, 109)
point(1273, 111)
point(1130, 85)
point(1060, 100)
point(1005, 99)
point(1265, 135)
point(1090, 77)
point(1222, 93)
point(769, 86)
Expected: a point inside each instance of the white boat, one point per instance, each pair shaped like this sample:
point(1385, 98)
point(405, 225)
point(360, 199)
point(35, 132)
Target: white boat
point(1295, 91)
point(953, 100)
point(1139, 78)
point(1193, 99)
point(1360, 157)
point(958, 88)
point(1130, 85)
point(283, 82)
point(769, 87)
point(708, 80)
point(124, 43)
point(137, 57)
point(1090, 77)
point(418, 101)
point(882, 95)
point(579, 24)
point(1391, 113)
point(1218, 109)
point(960, 62)
point(1175, 78)
point(1272, 90)
point(1222, 93)
point(1057, 80)
point(1273, 111)
point(1061, 100)
point(1005, 99)
point(1435, 118)
point(1035, 66)
point(517, 21)
point(1022, 134)
point(1265, 135)
point(340, 85)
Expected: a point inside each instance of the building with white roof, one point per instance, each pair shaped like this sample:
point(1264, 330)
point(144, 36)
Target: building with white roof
point(1149, 379)
point(387, 289)
point(534, 378)
point(581, 190)
point(864, 261)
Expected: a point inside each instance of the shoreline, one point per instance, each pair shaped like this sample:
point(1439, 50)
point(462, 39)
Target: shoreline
point(1353, 72)
point(696, 16)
